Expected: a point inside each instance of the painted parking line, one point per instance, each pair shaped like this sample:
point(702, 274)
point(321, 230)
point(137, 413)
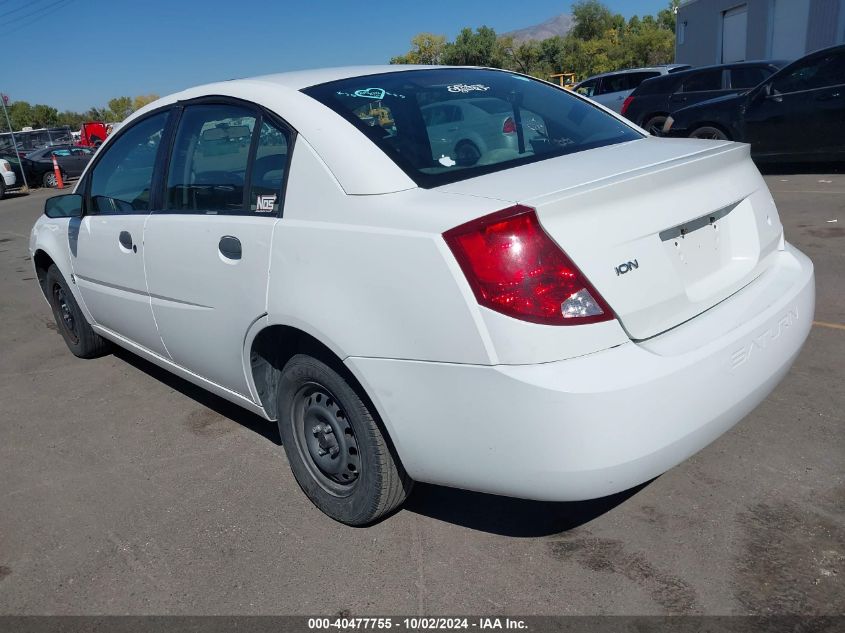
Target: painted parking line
point(833, 326)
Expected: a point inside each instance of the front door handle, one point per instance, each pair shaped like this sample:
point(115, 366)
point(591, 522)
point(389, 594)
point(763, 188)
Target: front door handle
point(230, 247)
point(828, 96)
point(125, 240)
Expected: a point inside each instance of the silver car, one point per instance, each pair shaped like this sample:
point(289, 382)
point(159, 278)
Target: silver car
point(611, 89)
point(470, 131)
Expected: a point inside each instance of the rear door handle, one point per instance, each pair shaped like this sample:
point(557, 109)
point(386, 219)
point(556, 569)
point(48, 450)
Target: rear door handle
point(125, 240)
point(828, 97)
point(230, 247)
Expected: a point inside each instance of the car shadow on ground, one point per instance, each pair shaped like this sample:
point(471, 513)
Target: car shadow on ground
point(11, 195)
point(505, 516)
point(247, 419)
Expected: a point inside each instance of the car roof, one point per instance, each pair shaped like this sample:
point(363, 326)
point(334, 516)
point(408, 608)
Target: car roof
point(299, 79)
point(357, 163)
point(637, 70)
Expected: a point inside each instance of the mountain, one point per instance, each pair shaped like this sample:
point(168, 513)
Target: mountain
point(558, 25)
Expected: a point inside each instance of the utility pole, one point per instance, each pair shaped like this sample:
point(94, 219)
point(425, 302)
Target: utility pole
point(3, 100)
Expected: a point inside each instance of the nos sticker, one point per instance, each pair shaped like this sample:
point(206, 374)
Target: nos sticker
point(265, 204)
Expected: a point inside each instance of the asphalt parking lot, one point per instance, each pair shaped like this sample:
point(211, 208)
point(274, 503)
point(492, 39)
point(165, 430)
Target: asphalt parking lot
point(128, 491)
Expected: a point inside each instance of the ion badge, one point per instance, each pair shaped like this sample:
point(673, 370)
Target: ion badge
point(265, 204)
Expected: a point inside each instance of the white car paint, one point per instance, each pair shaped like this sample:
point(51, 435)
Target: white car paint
point(470, 397)
point(9, 177)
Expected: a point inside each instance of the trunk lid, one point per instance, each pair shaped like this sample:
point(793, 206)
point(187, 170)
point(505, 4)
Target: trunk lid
point(663, 228)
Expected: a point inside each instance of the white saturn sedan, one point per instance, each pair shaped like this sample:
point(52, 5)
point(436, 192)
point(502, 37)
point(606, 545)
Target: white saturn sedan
point(559, 317)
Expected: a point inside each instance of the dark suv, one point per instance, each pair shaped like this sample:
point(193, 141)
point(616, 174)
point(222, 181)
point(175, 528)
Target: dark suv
point(655, 99)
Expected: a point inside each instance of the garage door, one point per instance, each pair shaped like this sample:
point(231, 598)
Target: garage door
point(734, 30)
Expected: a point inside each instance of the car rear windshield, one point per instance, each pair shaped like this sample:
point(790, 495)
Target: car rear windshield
point(445, 125)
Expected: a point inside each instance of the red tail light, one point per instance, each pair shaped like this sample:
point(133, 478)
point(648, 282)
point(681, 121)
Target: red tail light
point(515, 268)
point(509, 126)
point(626, 104)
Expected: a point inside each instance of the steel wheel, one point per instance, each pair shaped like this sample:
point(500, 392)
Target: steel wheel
point(65, 313)
point(325, 440)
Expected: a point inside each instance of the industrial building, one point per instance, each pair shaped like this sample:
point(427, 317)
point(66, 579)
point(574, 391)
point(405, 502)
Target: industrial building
point(722, 31)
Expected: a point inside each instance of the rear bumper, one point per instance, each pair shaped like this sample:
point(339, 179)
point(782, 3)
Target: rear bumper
point(9, 178)
point(601, 423)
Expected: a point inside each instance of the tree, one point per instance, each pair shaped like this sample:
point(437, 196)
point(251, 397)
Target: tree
point(120, 108)
point(98, 114)
point(20, 113)
point(474, 49)
point(426, 48)
point(141, 100)
point(44, 116)
point(666, 18)
point(73, 120)
point(592, 20)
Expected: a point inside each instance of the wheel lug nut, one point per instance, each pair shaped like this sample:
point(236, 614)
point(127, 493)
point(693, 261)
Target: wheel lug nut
point(316, 430)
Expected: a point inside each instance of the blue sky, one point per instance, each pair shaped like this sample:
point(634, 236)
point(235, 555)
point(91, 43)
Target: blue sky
point(80, 53)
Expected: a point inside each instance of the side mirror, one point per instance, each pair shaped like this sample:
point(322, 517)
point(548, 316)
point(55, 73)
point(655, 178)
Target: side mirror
point(67, 206)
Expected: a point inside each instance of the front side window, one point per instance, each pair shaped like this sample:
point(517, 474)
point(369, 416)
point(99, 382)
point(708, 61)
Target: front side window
point(817, 72)
point(506, 120)
point(210, 157)
point(122, 178)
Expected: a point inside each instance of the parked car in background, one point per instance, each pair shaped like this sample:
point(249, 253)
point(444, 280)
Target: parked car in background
point(8, 180)
point(72, 160)
point(797, 114)
point(34, 171)
point(611, 89)
point(468, 129)
point(655, 99)
point(516, 326)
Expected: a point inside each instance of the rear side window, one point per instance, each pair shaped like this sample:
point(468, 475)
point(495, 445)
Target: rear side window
point(268, 170)
point(748, 77)
point(625, 81)
point(122, 178)
point(664, 84)
point(209, 160)
point(507, 120)
point(703, 81)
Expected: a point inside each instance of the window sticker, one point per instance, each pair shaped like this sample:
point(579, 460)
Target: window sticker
point(468, 88)
point(265, 204)
point(370, 93)
point(446, 161)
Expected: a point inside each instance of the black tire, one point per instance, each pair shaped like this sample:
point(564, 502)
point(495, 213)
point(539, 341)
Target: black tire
point(337, 451)
point(654, 125)
point(49, 179)
point(467, 154)
point(709, 132)
point(75, 330)
point(2, 189)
